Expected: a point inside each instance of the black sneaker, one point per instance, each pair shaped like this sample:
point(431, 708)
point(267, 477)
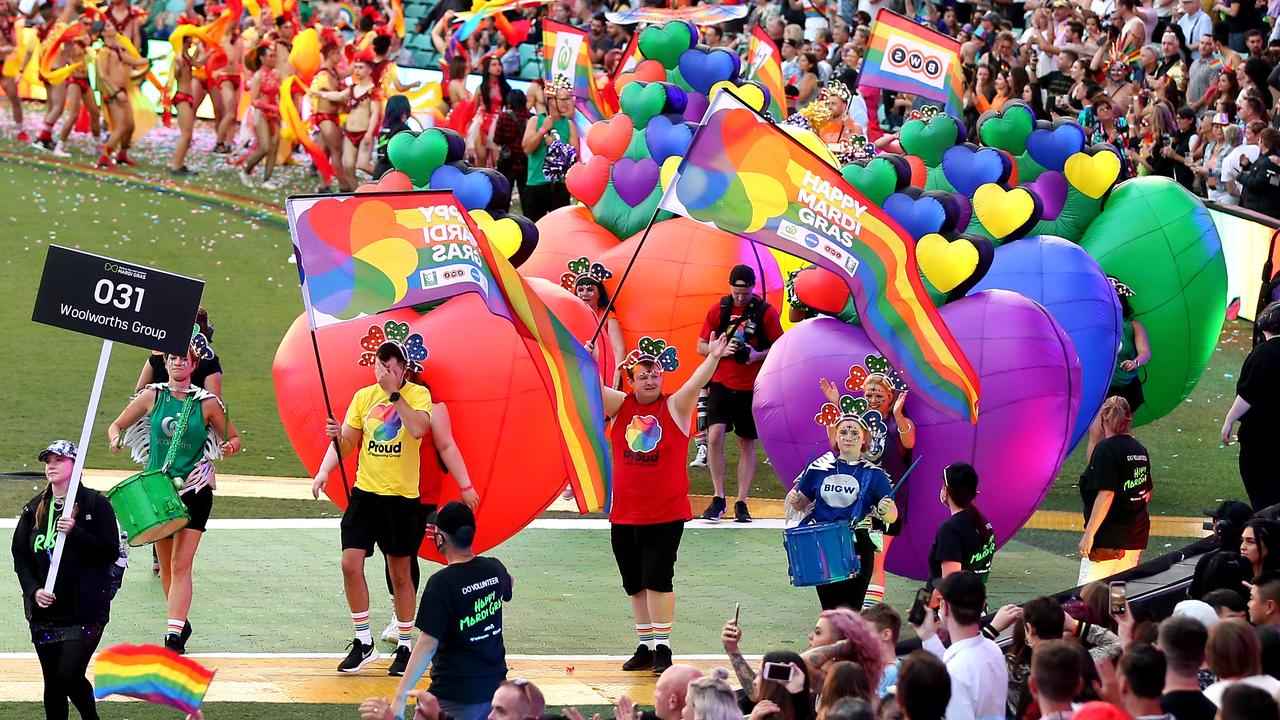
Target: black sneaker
point(642, 660)
point(359, 656)
point(740, 514)
point(715, 510)
point(400, 661)
point(175, 643)
point(186, 633)
point(661, 659)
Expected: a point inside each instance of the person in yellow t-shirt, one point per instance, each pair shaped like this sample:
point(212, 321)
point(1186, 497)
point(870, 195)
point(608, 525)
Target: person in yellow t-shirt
point(385, 423)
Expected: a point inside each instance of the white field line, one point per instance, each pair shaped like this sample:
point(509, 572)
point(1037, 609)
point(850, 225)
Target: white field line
point(544, 524)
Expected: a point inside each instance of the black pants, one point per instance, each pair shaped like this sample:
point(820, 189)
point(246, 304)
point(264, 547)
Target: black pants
point(851, 592)
point(1257, 470)
point(64, 665)
point(539, 200)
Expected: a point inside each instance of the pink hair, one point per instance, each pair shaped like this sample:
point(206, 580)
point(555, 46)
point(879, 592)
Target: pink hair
point(864, 648)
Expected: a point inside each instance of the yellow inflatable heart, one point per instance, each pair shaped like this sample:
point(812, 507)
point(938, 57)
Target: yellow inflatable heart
point(1092, 175)
point(1002, 211)
point(752, 95)
point(504, 234)
point(946, 264)
point(667, 172)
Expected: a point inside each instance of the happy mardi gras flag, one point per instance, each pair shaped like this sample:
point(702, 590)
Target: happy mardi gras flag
point(744, 175)
point(359, 255)
point(566, 51)
point(904, 56)
point(764, 65)
point(151, 673)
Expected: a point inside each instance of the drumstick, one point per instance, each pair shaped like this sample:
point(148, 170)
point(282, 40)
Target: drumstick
point(894, 490)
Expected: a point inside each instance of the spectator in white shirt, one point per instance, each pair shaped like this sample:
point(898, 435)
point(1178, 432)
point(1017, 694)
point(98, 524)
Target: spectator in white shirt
point(1231, 165)
point(924, 687)
point(1057, 670)
point(1234, 654)
point(979, 676)
point(1140, 678)
point(1195, 24)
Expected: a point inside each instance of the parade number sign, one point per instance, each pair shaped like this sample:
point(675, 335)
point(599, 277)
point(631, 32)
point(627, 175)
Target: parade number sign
point(117, 300)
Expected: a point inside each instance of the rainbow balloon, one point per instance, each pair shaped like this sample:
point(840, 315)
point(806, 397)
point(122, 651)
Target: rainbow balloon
point(153, 674)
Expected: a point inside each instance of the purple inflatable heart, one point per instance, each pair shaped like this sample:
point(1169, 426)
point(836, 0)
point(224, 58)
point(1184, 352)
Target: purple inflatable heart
point(1052, 188)
point(1051, 148)
point(1030, 383)
point(634, 180)
point(696, 108)
point(666, 136)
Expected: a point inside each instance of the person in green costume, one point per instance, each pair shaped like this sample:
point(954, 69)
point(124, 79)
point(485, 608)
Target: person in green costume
point(1135, 352)
point(148, 426)
point(541, 130)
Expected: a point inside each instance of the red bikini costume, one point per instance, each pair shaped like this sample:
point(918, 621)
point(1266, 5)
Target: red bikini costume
point(268, 102)
point(319, 117)
point(357, 136)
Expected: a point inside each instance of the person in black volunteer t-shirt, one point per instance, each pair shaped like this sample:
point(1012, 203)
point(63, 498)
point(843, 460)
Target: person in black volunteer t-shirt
point(461, 622)
point(1257, 407)
point(1115, 488)
point(966, 541)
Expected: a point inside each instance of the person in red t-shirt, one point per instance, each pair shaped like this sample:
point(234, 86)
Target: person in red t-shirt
point(649, 437)
point(752, 325)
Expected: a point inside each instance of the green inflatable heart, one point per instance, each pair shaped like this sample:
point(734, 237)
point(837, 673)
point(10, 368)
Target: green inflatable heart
point(418, 155)
point(877, 179)
point(666, 43)
point(928, 139)
point(1007, 129)
point(642, 101)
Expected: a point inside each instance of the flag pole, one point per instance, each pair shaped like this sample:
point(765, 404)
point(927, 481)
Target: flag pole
point(625, 273)
point(328, 410)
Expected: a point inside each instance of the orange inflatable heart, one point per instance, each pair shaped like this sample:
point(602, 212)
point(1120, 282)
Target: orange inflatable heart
point(646, 71)
point(503, 419)
point(587, 181)
point(394, 181)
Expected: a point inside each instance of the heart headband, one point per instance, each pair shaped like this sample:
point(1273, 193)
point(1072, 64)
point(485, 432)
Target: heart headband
point(200, 344)
point(655, 350)
point(924, 113)
point(584, 268)
point(396, 333)
point(1121, 289)
point(560, 82)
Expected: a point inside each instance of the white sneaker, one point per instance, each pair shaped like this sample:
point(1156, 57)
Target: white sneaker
point(246, 180)
point(700, 458)
point(270, 185)
point(392, 633)
point(59, 152)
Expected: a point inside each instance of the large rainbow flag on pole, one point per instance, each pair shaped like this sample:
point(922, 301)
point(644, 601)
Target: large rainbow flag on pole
point(764, 65)
point(566, 51)
point(367, 253)
point(904, 56)
point(746, 176)
point(151, 673)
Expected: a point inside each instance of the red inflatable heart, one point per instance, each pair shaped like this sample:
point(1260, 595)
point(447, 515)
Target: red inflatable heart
point(646, 71)
point(587, 181)
point(611, 137)
point(394, 181)
point(503, 419)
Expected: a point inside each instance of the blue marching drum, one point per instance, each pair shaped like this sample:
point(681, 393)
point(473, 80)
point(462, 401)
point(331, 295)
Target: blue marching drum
point(818, 554)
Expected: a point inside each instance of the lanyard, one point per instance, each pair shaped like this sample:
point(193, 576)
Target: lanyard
point(45, 541)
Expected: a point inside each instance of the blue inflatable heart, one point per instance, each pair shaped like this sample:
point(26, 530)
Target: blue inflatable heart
point(966, 167)
point(667, 135)
point(1066, 280)
point(1051, 148)
point(919, 216)
point(702, 68)
point(472, 188)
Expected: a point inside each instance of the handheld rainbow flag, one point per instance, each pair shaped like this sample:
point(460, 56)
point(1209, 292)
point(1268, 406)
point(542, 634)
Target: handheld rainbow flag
point(764, 65)
point(906, 57)
point(746, 176)
point(566, 51)
point(364, 254)
point(631, 57)
point(151, 673)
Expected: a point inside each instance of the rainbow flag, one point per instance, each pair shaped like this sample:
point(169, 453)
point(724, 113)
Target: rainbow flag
point(631, 57)
point(903, 56)
point(746, 176)
point(565, 51)
point(360, 255)
point(151, 673)
point(764, 65)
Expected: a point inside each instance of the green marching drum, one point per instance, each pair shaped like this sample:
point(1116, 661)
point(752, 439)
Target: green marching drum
point(148, 507)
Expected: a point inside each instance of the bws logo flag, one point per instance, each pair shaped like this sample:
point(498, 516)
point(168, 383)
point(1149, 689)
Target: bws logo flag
point(903, 56)
point(744, 175)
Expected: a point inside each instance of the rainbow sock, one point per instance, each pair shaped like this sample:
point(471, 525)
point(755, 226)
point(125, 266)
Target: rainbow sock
point(361, 620)
point(405, 631)
point(176, 626)
point(645, 633)
point(874, 596)
point(661, 634)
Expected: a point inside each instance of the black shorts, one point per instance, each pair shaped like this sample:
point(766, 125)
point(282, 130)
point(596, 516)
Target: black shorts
point(199, 507)
point(421, 526)
point(391, 522)
point(731, 408)
point(1132, 393)
point(646, 555)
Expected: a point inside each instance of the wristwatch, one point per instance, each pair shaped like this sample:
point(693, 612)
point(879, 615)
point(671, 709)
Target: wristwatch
point(394, 396)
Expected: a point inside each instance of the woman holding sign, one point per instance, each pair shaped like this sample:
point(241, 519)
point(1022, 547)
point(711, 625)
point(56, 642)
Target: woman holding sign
point(66, 624)
point(149, 425)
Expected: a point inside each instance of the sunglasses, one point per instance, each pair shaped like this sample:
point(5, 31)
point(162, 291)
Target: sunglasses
point(524, 686)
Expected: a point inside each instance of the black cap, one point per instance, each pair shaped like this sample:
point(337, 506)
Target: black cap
point(1232, 511)
point(742, 274)
point(455, 520)
point(965, 590)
